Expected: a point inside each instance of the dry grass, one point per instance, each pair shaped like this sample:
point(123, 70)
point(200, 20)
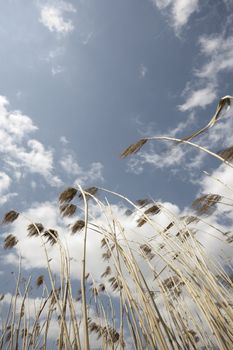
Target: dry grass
point(156, 291)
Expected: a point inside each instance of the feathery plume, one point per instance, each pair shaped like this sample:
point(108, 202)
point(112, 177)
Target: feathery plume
point(35, 229)
point(77, 226)
point(134, 148)
point(10, 216)
point(67, 195)
point(68, 209)
point(39, 280)
point(206, 204)
point(10, 241)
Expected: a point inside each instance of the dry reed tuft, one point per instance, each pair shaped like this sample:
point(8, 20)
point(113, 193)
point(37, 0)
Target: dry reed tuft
point(227, 154)
point(134, 148)
point(68, 209)
point(10, 216)
point(10, 241)
point(67, 195)
point(143, 202)
point(189, 219)
point(104, 242)
point(24, 332)
point(35, 229)
point(51, 235)
point(141, 221)
point(39, 280)
point(77, 226)
point(172, 282)
point(108, 333)
point(206, 204)
point(90, 191)
point(107, 255)
point(115, 283)
point(155, 209)
point(107, 272)
point(147, 251)
point(180, 300)
point(101, 287)
point(168, 227)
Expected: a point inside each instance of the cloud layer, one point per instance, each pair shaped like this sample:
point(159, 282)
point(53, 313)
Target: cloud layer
point(179, 11)
point(52, 16)
point(20, 153)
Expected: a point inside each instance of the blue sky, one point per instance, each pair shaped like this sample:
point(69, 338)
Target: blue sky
point(81, 80)
point(94, 78)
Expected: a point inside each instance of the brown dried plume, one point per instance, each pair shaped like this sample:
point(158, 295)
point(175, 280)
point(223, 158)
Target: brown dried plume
point(10, 216)
point(134, 148)
point(10, 241)
point(67, 195)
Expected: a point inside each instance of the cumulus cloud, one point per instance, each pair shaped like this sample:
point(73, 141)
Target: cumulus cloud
point(47, 213)
point(93, 174)
point(218, 50)
point(179, 10)
point(217, 53)
point(5, 182)
point(21, 153)
point(52, 16)
point(199, 98)
point(158, 160)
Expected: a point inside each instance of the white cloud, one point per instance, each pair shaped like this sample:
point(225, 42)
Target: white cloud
point(172, 157)
point(52, 17)
point(220, 181)
point(93, 174)
point(142, 71)
point(5, 182)
point(32, 251)
point(64, 140)
point(219, 52)
point(199, 98)
point(19, 152)
point(218, 58)
point(179, 10)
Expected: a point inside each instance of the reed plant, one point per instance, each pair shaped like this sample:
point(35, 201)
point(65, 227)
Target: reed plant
point(158, 290)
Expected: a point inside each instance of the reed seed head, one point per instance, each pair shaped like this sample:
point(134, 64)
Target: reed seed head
point(107, 272)
point(10, 241)
point(143, 202)
point(147, 251)
point(10, 216)
point(134, 148)
point(141, 221)
point(90, 191)
point(40, 280)
point(51, 235)
point(77, 226)
point(155, 209)
point(227, 154)
point(67, 195)
point(35, 229)
point(68, 209)
point(206, 204)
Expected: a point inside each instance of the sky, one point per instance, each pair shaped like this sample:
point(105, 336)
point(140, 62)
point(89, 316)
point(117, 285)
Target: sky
point(82, 80)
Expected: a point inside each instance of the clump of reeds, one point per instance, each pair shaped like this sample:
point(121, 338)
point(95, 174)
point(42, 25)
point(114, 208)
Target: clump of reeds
point(158, 286)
